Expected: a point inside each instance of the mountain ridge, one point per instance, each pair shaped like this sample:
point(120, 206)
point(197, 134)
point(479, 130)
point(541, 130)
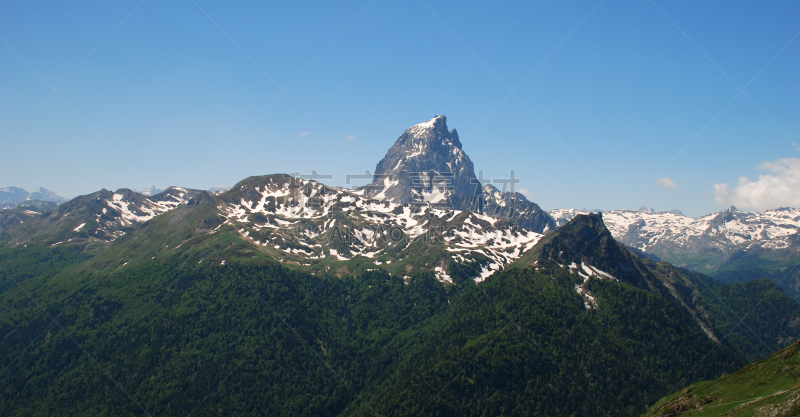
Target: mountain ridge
point(285, 296)
point(12, 196)
point(731, 245)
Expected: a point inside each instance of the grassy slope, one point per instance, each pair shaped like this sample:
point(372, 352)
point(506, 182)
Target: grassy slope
point(768, 387)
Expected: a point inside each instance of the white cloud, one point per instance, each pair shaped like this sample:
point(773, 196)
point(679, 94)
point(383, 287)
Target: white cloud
point(721, 194)
point(304, 133)
point(666, 182)
point(351, 137)
point(780, 187)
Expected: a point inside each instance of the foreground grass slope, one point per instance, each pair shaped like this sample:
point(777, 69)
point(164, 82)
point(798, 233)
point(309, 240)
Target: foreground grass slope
point(770, 387)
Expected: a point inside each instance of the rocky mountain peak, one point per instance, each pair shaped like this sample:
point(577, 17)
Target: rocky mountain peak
point(432, 133)
point(427, 166)
point(585, 244)
point(150, 191)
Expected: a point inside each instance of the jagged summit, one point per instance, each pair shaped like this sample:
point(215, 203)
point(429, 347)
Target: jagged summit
point(427, 166)
point(438, 122)
point(150, 191)
point(586, 243)
point(432, 133)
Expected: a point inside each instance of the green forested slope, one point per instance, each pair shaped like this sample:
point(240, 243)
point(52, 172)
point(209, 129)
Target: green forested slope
point(178, 332)
point(524, 344)
point(161, 337)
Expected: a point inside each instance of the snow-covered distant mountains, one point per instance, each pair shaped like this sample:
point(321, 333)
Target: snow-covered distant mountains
point(153, 190)
point(103, 216)
point(218, 189)
point(149, 191)
point(703, 243)
point(11, 196)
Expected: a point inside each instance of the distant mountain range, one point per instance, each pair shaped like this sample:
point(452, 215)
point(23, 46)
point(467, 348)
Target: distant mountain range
point(424, 190)
point(148, 192)
point(676, 237)
point(731, 245)
point(12, 196)
point(426, 171)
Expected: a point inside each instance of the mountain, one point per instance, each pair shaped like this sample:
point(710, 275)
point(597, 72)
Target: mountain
point(11, 196)
point(183, 314)
point(584, 246)
point(100, 217)
point(150, 191)
point(43, 194)
point(770, 387)
point(321, 229)
point(283, 296)
point(218, 189)
point(294, 221)
point(732, 245)
point(427, 165)
point(684, 240)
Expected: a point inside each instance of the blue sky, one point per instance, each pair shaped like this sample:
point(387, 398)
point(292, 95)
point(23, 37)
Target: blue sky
point(607, 96)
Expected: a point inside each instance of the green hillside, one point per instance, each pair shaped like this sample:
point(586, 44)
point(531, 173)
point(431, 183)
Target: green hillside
point(158, 324)
point(770, 387)
point(162, 336)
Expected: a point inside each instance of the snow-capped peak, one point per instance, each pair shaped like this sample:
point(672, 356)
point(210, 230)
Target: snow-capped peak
point(427, 166)
point(430, 124)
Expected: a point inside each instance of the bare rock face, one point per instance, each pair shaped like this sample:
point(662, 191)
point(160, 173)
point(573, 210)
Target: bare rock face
point(427, 166)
